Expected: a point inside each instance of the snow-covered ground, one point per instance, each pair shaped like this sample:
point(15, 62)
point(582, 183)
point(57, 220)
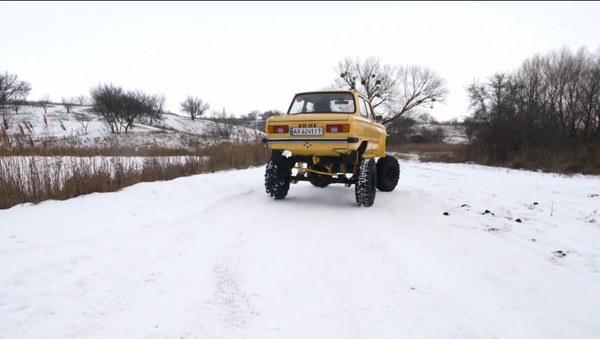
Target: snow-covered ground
point(210, 256)
point(83, 128)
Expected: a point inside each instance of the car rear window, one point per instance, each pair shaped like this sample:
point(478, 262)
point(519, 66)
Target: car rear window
point(323, 102)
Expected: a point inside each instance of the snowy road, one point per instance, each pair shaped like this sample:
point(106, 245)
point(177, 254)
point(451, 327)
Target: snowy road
point(211, 256)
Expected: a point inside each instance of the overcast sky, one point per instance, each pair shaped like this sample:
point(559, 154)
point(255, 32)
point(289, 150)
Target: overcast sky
point(256, 55)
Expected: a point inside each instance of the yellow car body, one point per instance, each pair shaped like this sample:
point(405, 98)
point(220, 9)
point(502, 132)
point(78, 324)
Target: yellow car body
point(309, 128)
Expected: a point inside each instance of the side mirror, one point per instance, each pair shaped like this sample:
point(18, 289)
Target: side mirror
point(379, 118)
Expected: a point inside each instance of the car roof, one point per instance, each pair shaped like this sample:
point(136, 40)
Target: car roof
point(329, 91)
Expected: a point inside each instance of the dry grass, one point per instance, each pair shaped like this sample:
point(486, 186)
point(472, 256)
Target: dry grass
point(567, 161)
point(563, 161)
point(234, 155)
point(33, 179)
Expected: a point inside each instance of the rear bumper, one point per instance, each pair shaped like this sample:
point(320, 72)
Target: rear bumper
point(278, 158)
point(311, 140)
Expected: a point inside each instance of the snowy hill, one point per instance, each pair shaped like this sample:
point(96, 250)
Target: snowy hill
point(210, 256)
point(453, 134)
point(84, 128)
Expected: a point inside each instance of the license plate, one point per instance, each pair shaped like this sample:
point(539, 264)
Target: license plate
point(307, 131)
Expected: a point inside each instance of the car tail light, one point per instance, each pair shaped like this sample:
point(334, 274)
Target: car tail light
point(338, 128)
point(279, 129)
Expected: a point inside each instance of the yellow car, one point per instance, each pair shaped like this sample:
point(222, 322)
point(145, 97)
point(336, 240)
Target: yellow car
point(328, 137)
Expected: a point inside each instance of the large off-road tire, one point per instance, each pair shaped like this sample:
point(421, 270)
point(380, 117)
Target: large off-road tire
point(366, 187)
point(388, 173)
point(277, 180)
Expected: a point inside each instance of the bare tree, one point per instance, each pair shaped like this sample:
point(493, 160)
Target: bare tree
point(15, 105)
point(393, 90)
point(107, 102)
point(251, 119)
point(81, 99)
point(253, 116)
point(157, 103)
point(44, 102)
point(11, 88)
point(435, 135)
point(135, 105)
point(221, 127)
point(270, 113)
point(68, 103)
point(84, 119)
point(6, 121)
point(121, 109)
point(550, 104)
point(262, 118)
point(403, 127)
point(194, 106)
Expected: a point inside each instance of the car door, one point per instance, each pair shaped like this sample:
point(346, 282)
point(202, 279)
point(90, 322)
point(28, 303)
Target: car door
point(364, 122)
point(373, 131)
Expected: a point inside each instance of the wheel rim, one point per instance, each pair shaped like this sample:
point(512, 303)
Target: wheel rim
point(390, 174)
point(282, 177)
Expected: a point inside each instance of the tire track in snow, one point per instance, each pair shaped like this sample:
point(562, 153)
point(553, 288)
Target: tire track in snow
point(229, 303)
point(27, 313)
point(416, 289)
point(209, 209)
point(230, 308)
point(95, 239)
point(122, 294)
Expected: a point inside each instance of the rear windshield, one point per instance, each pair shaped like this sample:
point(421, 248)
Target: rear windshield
point(338, 102)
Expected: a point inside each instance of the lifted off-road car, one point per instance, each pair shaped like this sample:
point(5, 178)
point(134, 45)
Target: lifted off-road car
point(329, 137)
